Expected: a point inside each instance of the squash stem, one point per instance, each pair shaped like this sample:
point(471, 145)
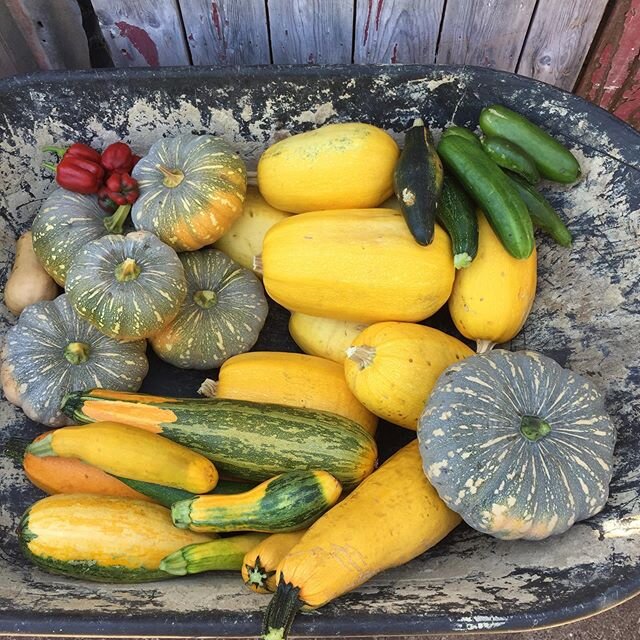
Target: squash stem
point(205, 298)
point(482, 346)
point(281, 612)
point(418, 122)
point(257, 575)
point(462, 260)
point(172, 177)
point(115, 222)
point(127, 270)
point(181, 513)
point(208, 388)
point(77, 352)
point(534, 428)
point(363, 355)
point(42, 448)
point(257, 264)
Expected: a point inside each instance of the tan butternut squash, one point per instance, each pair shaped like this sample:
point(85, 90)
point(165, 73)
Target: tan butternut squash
point(356, 264)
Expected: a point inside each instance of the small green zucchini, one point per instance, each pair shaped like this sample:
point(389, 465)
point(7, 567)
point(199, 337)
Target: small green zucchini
point(543, 215)
point(457, 215)
point(554, 161)
point(287, 502)
point(417, 182)
point(493, 192)
point(509, 155)
point(166, 496)
point(467, 134)
point(222, 554)
point(101, 538)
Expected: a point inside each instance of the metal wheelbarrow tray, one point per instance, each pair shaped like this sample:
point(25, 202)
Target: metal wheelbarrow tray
point(585, 316)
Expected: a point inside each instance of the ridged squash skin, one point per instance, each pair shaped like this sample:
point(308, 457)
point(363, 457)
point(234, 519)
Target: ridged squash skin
point(337, 166)
point(243, 241)
point(191, 190)
point(392, 517)
point(101, 538)
point(292, 379)
point(491, 298)
point(246, 440)
point(126, 451)
point(260, 563)
point(392, 367)
point(324, 337)
point(356, 264)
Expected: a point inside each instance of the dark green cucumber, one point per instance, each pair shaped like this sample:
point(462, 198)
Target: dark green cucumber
point(246, 440)
point(509, 155)
point(417, 182)
point(493, 192)
point(288, 502)
point(554, 161)
point(543, 215)
point(168, 495)
point(457, 215)
point(467, 134)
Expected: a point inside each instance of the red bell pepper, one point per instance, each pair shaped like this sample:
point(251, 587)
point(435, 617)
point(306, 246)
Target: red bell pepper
point(76, 150)
point(105, 202)
point(79, 170)
point(121, 188)
point(118, 157)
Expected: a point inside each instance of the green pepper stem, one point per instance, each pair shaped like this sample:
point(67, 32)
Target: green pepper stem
point(534, 428)
point(115, 222)
point(77, 352)
point(50, 166)
point(59, 151)
point(281, 612)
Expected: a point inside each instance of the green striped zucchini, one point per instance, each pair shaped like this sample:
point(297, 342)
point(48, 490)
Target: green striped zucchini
point(101, 538)
point(287, 502)
point(245, 440)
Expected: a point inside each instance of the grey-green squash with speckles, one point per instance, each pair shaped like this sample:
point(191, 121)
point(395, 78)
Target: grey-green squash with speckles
point(129, 287)
point(517, 445)
point(192, 188)
point(222, 315)
point(51, 351)
point(66, 222)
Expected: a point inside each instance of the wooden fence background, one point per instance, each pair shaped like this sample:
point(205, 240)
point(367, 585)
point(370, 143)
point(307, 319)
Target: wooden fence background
point(588, 45)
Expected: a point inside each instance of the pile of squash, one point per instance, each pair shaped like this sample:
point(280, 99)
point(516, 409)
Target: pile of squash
point(281, 452)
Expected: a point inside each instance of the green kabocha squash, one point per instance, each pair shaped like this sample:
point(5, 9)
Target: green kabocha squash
point(66, 222)
point(222, 315)
point(191, 190)
point(517, 445)
point(129, 286)
point(51, 351)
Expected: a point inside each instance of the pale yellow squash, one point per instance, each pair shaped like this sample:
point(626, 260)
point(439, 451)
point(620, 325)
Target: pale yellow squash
point(294, 380)
point(324, 337)
point(337, 166)
point(392, 368)
point(243, 242)
point(356, 264)
point(491, 299)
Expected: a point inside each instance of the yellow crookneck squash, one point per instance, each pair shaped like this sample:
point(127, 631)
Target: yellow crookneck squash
point(337, 166)
point(393, 366)
point(492, 298)
point(292, 379)
point(356, 264)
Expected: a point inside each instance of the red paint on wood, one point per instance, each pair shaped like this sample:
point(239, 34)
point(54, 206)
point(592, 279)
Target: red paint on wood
point(366, 23)
point(215, 17)
point(394, 55)
point(141, 41)
point(378, 12)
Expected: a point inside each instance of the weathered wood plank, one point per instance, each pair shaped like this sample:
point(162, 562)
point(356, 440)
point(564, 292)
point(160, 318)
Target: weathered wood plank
point(487, 33)
point(559, 39)
point(611, 76)
point(53, 31)
point(403, 31)
point(142, 33)
point(226, 31)
point(15, 55)
point(311, 31)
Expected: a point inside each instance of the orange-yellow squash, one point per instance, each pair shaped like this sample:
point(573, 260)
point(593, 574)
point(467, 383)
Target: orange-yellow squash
point(392, 517)
point(491, 298)
point(356, 264)
point(324, 337)
point(392, 368)
point(292, 379)
point(337, 166)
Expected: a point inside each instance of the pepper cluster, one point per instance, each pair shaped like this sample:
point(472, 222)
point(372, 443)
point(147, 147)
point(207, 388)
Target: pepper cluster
point(82, 169)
